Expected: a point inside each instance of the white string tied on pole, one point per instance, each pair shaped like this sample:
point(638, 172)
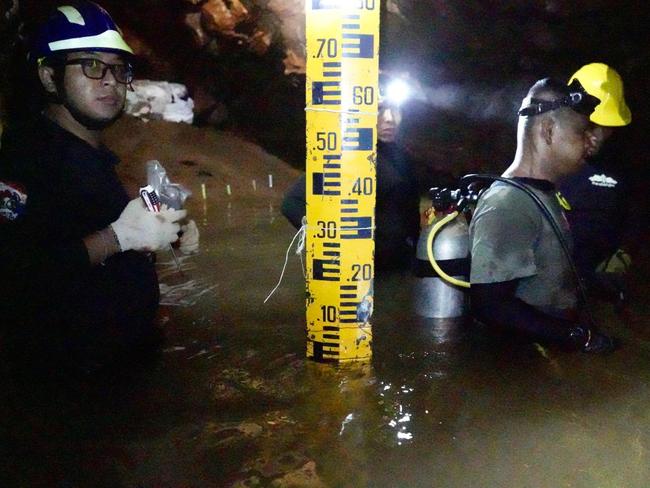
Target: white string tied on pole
point(300, 247)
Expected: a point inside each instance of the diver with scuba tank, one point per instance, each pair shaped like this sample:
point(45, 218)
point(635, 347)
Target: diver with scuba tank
point(522, 277)
point(518, 248)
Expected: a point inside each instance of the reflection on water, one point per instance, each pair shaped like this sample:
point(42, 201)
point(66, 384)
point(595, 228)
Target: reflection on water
point(234, 403)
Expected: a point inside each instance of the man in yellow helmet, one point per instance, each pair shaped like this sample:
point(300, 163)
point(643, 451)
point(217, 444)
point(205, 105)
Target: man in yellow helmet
point(597, 194)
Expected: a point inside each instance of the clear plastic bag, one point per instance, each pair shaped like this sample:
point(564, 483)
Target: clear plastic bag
point(171, 194)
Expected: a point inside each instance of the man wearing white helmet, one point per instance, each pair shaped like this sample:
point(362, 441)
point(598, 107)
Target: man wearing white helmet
point(597, 194)
point(76, 274)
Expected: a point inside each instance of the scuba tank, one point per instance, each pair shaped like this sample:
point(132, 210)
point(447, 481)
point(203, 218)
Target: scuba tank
point(445, 235)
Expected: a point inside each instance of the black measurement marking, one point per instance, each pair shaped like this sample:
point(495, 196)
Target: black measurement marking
point(329, 164)
point(350, 317)
point(326, 93)
point(348, 309)
point(332, 70)
point(320, 354)
point(326, 269)
point(357, 139)
point(349, 206)
point(356, 227)
point(360, 46)
point(322, 184)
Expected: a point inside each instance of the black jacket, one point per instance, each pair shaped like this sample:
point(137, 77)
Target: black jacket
point(72, 191)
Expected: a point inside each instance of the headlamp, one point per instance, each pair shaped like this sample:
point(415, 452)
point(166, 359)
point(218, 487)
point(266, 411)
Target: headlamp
point(577, 100)
point(396, 92)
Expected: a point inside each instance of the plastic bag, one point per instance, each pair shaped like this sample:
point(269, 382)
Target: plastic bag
point(171, 194)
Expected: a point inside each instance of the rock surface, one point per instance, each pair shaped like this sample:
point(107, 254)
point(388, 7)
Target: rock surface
point(243, 63)
point(160, 100)
point(222, 18)
point(9, 36)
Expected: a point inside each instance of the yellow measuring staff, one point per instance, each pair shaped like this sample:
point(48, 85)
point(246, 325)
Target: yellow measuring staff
point(342, 93)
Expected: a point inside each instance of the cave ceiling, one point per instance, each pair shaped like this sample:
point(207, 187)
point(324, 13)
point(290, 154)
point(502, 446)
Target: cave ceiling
point(248, 56)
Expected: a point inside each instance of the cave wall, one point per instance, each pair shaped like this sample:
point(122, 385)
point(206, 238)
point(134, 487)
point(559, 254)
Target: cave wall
point(488, 53)
point(243, 61)
point(9, 39)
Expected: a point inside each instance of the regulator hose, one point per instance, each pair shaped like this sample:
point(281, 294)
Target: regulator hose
point(554, 225)
point(437, 226)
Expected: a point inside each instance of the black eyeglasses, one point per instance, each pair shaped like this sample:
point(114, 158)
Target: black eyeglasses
point(96, 69)
point(577, 100)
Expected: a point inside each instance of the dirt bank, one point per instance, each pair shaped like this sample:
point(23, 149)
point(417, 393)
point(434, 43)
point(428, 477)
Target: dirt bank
point(193, 155)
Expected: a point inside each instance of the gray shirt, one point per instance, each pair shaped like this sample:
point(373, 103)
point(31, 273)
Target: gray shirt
point(511, 239)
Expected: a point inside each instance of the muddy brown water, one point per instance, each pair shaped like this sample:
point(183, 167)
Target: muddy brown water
point(233, 402)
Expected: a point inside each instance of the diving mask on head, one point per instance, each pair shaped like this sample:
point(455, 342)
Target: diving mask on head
point(577, 100)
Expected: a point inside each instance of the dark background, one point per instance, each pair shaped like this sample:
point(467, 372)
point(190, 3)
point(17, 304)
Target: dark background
point(477, 58)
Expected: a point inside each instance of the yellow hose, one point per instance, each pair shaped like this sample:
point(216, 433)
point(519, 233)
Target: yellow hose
point(437, 226)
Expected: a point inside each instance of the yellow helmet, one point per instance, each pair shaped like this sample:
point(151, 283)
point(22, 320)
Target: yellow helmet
point(604, 83)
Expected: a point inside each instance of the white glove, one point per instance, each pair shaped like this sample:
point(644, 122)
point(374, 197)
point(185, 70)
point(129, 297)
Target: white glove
point(189, 242)
point(139, 229)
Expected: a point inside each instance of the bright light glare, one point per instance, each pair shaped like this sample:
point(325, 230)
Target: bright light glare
point(405, 418)
point(348, 418)
point(398, 91)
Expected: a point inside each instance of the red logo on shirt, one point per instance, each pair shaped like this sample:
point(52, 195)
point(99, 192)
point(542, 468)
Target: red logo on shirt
point(13, 200)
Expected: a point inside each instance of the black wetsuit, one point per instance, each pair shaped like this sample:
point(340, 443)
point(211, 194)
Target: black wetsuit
point(397, 208)
point(598, 199)
point(604, 218)
point(54, 302)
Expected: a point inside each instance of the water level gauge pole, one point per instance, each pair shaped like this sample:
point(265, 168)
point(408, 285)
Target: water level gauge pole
point(342, 92)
